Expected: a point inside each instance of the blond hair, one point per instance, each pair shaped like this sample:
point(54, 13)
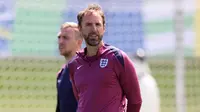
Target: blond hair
point(69, 24)
point(72, 25)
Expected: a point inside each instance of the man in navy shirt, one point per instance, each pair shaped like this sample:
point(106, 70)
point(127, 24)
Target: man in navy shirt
point(102, 75)
point(69, 41)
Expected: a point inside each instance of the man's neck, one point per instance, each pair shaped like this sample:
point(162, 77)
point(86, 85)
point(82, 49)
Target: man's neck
point(68, 58)
point(92, 50)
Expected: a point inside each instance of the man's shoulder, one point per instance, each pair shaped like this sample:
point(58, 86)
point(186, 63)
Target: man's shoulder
point(113, 50)
point(61, 69)
point(74, 59)
point(74, 62)
point(115, 53)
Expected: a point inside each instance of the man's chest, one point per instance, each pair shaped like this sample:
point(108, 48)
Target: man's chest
point(63, 80)
point(99, 73)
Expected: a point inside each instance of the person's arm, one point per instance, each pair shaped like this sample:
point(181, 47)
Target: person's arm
point(71, 73)
point(74, 89)
point(129, 83)
point(57, 107)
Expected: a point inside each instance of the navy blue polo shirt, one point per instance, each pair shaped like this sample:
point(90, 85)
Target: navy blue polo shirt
point(66, 102)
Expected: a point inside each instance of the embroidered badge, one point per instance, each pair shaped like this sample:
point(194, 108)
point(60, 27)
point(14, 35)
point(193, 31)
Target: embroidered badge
point(103, 63)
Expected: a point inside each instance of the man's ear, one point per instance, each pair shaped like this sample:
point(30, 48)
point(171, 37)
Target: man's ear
point(104, 27)
point(80, 41)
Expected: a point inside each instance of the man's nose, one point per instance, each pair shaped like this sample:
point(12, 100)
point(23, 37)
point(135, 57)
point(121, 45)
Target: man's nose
point(94, 28)
point(60, 40)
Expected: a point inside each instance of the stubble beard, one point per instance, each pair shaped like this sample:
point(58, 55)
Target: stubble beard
point(67, 54)
point(93, 42)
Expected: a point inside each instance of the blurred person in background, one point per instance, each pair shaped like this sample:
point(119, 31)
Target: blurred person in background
point(69, 41)
point(148, 85)
point(102, 75)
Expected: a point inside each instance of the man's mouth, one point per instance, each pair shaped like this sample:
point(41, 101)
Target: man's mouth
point(93, 35)
point(61, 47)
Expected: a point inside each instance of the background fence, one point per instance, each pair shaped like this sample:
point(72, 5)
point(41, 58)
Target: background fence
point(30, 60)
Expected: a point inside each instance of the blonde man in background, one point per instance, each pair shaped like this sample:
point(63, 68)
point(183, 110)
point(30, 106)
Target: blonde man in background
point(69, 41)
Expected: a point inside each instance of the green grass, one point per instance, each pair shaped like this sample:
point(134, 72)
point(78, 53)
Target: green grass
point(28, 85)
point(164, 72)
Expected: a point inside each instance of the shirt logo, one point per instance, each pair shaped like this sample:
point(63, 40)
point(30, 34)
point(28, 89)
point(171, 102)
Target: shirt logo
point(103, 63)
point(79, 67)
point(59, 81)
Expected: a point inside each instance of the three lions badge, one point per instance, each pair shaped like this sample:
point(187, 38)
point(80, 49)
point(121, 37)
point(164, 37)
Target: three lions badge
point(103, 63)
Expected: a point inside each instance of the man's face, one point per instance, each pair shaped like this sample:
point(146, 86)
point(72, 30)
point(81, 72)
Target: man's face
point(92, 28)
point(67, 41)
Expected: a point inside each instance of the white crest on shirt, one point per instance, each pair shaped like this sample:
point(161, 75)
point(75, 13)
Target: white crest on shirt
point(103, 63)
point(59, 81)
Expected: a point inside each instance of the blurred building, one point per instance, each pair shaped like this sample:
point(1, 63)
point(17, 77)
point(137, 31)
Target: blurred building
point(7, 16)
point(124, 25)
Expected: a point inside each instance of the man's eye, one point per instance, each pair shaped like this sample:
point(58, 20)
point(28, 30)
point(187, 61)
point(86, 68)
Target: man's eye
point(88, 24)
point(65, 37)
point(98, 24)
